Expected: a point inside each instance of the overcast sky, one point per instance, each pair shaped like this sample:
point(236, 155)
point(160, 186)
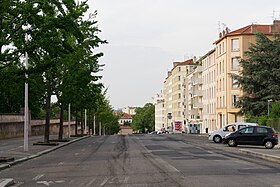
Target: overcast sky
point(146, 36)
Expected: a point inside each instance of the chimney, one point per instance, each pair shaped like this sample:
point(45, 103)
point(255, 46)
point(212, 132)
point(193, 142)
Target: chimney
point(175, 63)
point(275, 27)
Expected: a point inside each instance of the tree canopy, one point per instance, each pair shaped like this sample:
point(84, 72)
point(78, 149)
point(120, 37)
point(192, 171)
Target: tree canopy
point(260, 75)
point(144, 119)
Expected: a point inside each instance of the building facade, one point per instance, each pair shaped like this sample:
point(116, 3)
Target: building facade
point(159, 112)
point(209, 91)
point(230, 48)
point(174, 95)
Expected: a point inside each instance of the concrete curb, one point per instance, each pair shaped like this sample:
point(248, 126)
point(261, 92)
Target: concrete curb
point(9, 164)
point(271, 158)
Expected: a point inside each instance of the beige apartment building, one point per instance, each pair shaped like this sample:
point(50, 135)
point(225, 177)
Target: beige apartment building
point(209, 91)
point(230, 47)
point(174, 95)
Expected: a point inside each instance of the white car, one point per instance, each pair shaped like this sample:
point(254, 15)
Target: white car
point(218, 135)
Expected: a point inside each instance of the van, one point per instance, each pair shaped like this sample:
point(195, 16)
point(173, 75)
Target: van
point(218, 135)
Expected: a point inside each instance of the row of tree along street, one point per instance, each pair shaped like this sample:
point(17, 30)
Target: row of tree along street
point(59, 38)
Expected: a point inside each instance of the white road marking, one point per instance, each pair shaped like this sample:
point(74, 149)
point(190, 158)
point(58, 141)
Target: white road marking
point(18, 184)
point(104, 181)
point(38, 177)
point(60, 163)
point(61, 181)
point(90, 182)
point(47, 183)
point(76, 154)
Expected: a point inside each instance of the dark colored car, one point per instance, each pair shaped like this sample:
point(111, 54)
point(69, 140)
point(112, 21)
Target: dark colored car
point(254, 135)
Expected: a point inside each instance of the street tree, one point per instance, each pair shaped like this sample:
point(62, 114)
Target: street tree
point(144, 119)
point(260, 75)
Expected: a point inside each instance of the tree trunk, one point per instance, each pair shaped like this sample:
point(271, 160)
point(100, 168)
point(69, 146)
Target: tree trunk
point(60, 134)
point(82, 122)
point(48, 113)
point(76, 123)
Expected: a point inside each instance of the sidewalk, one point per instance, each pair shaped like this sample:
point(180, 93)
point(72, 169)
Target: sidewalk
point(12, 151)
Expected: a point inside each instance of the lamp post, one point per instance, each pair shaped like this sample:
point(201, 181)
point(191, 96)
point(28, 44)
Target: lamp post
point(268, 103)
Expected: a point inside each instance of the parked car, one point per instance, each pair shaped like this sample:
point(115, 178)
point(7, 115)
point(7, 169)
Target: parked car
point(218, 135)
point(253, 135)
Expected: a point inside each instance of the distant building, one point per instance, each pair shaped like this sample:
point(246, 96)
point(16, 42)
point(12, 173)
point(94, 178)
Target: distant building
point(159, 112)
point(175, 96)
point(129, 110)
point(125, 130)
point(125, 118)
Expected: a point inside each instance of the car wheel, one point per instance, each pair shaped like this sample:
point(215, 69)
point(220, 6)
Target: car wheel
point(217, 139)
point(232, 143)
point(268, 144)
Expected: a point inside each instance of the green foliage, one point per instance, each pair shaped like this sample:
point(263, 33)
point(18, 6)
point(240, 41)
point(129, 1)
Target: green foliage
point(144, 120)
point(260, 75)
point(261, 120)
point(275, 110)
point(105, 115)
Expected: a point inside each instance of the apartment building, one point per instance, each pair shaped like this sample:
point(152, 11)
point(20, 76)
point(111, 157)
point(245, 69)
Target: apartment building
point(209, 91)
point(230, 47)
point(195, 100)
point(159, 112)
point(174, 95)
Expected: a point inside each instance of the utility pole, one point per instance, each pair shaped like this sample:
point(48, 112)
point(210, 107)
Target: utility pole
point(26, 113)
point(100, 128)
point(86, 121)
point(94, 132)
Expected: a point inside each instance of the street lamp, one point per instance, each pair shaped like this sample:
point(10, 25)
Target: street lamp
point(268, 101)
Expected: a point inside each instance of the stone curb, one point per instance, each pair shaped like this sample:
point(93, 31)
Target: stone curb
point(9, 164)
point(271, 158)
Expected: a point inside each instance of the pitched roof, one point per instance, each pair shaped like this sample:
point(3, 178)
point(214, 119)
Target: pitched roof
point(251, 29)
point(126, 116)
point(125, 127)
point(187, 62)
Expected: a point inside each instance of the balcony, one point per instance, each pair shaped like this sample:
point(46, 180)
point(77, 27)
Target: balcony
point(197, 93)
point(196, 81)
point(197, 105)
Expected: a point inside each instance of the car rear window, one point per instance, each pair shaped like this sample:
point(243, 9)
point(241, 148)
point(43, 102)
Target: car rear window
point(261, 130)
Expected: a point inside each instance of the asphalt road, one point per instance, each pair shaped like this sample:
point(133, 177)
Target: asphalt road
point(144, 161)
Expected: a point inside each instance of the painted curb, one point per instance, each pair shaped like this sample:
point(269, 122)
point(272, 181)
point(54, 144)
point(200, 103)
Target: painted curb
point(267, 157)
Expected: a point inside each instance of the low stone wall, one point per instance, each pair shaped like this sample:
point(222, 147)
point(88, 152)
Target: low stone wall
point(16, 129)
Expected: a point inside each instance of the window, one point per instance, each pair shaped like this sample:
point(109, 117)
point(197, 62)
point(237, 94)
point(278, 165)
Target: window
point(261, 130)
point(179, 78)
point(248, 130)
point(235, 44)
point(235, 99)
point(235, 83)
point(235, 64)
point(179, 69)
